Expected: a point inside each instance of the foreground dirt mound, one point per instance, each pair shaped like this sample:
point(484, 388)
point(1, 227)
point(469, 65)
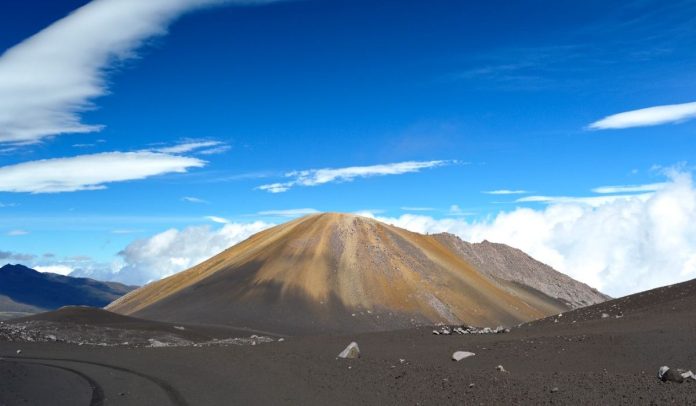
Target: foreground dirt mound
point(339, 273)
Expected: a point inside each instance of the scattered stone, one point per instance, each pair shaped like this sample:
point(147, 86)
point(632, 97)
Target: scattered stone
point(351, 352)
point(500, 368)
point(688, 374)
point(667, 374)
point(179, 328)
point(471, 385)
point(281, 339)
point(19, 352)
point(554, 389)
point(460, 355)
point(437, 333)
point(605, 315)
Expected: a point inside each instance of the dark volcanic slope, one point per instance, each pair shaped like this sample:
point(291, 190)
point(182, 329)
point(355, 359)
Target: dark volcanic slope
point(581, 359)
point(25, 290)
point(502, 262)
point(340, 273)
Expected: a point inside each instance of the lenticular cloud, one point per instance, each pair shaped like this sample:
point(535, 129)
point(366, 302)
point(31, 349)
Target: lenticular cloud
point(47, 80)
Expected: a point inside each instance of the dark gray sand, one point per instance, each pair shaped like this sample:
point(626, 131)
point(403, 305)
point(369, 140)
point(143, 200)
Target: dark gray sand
point(607, 354)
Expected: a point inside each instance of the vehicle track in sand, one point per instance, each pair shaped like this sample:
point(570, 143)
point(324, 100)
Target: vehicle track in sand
point(174, 397)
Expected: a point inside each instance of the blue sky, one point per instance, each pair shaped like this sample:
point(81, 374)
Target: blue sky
point(435, 103)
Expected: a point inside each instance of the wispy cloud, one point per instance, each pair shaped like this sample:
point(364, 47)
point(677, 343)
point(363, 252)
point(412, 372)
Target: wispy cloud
point(505, 192)
point(216, 219)
point(202, 147)
point(407, 208)
point(191, 199)
point(90, 172)
point(592, 201)
point(673, 113)
point(315, 177)
point(288, 212)
point(49, 79)
point(17, 233)
point(652, 187)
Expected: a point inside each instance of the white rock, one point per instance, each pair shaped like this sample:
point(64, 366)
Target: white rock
point(437, 333)
point(352, 351)
point(281, 339)
point(460, 355)
point(19, 352)
point(604, 315)
point(688, 374)
point(662, 371)
point(500, 368)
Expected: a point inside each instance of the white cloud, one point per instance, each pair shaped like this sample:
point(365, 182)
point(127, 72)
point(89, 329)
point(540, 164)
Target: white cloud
point(58, 269)
point(16, 233)
point(408, 208)
point(593, 201)
point(191, 199)
point(175, 250)
point(288, 212)
point(621, 246)
point(315, 177)
point(652, 187)
point(185, 147)
point(216, 219)
point(673, 113)
point(89, 172)
point(47, 80)
point(505, 192)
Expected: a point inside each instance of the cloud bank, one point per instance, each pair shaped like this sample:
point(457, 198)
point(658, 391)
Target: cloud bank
point(90, 172)
point(175, 250)
point(47, 80)
point(621, 246)
point(673, 113)
point(315, 177)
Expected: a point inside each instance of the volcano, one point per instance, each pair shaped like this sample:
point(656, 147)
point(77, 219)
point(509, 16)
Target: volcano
point(339, 273)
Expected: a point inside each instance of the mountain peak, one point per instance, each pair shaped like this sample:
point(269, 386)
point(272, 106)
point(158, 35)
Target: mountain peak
point(337, 272)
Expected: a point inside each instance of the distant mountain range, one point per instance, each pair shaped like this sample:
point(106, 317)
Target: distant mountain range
point(25, 291)
point(332, 272)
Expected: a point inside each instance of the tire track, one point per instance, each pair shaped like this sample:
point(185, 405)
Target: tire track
point(172, 394)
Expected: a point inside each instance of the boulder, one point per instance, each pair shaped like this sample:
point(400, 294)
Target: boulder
point(352, 351)
point(460, 355)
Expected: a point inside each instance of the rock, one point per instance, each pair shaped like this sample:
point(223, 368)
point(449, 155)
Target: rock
point(437, 333)
point(471, 385)
point(500, 368)
point(604, 315)
point(19, 352)
point(554, 389)
point(281, 339)
point(667, 374)
point(688, 374)
point(351, 352)
point(460, 355)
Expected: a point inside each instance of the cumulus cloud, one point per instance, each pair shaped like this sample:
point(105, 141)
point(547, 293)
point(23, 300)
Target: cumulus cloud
point(621, 246)
point(47, 80)
point(315, 177)
point(90, 172)
point(175, 250)
point(672, 113)
point(57, 269)
point(16, 233)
